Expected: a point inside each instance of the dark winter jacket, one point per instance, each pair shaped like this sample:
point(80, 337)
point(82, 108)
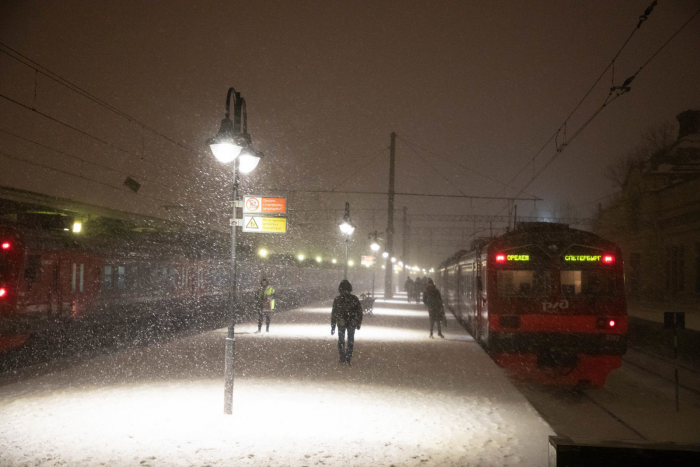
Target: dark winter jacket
point(433, 300)
point(347, 311)
point(408, 285)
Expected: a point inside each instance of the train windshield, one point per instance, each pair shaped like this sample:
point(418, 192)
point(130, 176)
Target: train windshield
point(523, 283)
point(587, 282)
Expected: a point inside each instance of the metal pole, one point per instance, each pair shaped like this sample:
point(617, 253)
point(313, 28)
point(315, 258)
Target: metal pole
point(675, 357)
point(345, 272)
point(230, 337)
point(404, 237)
point(389, 274)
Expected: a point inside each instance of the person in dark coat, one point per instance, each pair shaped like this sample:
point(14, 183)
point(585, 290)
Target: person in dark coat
point(417, 288)
point(408, 287)
point(347, 314)
point(436, 310)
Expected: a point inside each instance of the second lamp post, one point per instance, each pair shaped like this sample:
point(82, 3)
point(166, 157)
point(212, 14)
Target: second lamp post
point(347, 229)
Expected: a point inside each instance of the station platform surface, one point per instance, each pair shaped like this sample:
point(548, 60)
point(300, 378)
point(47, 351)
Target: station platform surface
point(407, 400)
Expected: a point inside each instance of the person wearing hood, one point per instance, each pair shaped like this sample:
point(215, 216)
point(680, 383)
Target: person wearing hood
point(265, 299)
point(436, 310)
point(408, 287)
point(417, 288)
point(347, 315)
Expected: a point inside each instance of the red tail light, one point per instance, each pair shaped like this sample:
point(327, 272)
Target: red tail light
point(611, 323)
point(605, 323)
point(3, 292)
point(500, 258)
point(608, 259)
point(6, 245)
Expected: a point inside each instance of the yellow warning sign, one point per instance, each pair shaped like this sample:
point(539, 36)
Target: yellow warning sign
point(264, 224)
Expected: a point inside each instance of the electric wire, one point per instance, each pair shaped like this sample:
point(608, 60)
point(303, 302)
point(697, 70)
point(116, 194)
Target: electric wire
point(357, 171)
point(469, 169)
point(642, 18)
point(84, 133)
point(336, 167)
point(435, 170)
point(73, 156)
point(82, 177)
point(38, 68)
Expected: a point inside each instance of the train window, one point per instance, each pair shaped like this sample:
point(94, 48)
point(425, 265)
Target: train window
point(587, 282)
point(74, 278)
point(121, 277)
point(107, 281)
point(82, 276)
point(32, 272)
point(522, 283)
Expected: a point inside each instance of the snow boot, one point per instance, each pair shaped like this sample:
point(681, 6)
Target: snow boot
point(431, 336)
point(441, 335)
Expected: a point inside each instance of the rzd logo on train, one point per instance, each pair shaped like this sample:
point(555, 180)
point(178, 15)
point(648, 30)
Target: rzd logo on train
point(553, 306)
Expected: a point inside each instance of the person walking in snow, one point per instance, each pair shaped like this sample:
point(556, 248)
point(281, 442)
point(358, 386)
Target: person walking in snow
point(408, 287)
point(347, 314)
point(417, 288)
point(265, 300)
point(436, 310)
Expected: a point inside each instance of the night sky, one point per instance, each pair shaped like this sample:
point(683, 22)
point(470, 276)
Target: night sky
point(482, 84)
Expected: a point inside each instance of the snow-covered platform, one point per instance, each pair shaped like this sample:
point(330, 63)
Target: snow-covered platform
point(407, 400)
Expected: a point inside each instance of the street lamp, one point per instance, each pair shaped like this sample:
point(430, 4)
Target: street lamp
point(385, 255)
point(319, 259)
point(262, 253)
point(374, 236)
point(233, 144)
point(347, 229)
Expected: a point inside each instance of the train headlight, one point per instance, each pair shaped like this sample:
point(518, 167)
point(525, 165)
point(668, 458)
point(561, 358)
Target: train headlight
point(3, 292)
point(500, 258)
point(608, 259)
point(6, 245)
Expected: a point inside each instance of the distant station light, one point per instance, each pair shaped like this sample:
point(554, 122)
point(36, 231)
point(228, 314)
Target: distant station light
point(393, 260)
point(334, 261)
point(319, 259)
point(262, 252)
point(351, 263)
point(301, 257)
point(385, 255)
point(77, 227)
point(375, 246)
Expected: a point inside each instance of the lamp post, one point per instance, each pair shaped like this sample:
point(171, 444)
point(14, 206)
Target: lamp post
point(374, 236)
point(233, 144)
point(347, 229)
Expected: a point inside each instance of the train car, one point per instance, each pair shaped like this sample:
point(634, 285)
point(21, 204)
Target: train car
point(49, 279)
point(546, 301)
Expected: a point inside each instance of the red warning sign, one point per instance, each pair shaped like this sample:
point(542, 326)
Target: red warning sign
point(264, 205)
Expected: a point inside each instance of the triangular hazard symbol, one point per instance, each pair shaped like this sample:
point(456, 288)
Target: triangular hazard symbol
point(252, 224)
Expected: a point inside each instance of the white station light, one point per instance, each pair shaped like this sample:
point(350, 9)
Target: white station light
point(375, 246)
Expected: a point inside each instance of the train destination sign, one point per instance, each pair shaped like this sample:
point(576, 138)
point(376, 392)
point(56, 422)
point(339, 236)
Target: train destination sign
point(264, 205)
point(518, 257)
point(582, 258)
point(264, 224)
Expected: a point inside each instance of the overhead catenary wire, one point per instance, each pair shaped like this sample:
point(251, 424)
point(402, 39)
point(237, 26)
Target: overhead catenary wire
point(435, 170)
point(457, 164)
point(642, 18)
point(336, 167)
point(91, 136)
point(82, 177)
point(73, 156)
point(38, 68)
point(357, 171)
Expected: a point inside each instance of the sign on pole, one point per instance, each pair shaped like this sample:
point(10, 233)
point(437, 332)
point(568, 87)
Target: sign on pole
point(264, 224)
point(264, 205)
point(367, 261)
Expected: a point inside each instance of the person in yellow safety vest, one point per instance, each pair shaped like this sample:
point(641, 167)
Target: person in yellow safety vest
point(265, 304)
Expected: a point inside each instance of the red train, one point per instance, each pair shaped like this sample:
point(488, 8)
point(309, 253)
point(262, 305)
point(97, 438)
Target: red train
point(546, 301)
point(50, 278)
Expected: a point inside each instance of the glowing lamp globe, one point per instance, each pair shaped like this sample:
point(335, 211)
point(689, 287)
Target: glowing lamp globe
point(375, 246)
point(248, 160)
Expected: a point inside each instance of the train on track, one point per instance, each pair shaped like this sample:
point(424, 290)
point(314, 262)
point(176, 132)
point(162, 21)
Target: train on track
point(545, 300)
point(51, 278)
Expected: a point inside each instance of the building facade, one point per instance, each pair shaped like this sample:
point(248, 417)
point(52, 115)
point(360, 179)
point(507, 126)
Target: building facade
point(656, 222)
